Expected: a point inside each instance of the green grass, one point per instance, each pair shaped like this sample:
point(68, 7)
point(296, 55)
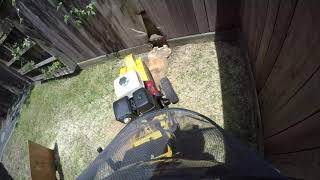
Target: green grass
point(75, 112)
point(213, 78)
point(210, 78)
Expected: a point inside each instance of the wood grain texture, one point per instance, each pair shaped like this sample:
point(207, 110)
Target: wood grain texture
point(228, 15)
point(301, 165)
point(297, 62)
point(244, 27)
point(304, 135)
point(160, 15)
point(302, 105)
point(201, 15)
point(211, 9)
point(114, 27)
point(271, 17)
point(265, 63)
point(118, 24)
point(188, 16)
point(175, 18)
point(257, 17)
point(41, 162)
point(287, 70)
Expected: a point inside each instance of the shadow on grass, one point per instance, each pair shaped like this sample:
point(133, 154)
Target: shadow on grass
point(238, 101)
point(237, 91)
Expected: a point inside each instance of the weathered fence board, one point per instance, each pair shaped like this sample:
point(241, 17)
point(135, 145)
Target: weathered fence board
point(118, 24)
point(260, 69)
point(211, 9)
point(176, 18)
point(301, 165)
point(287, 70)
point(12, 86)
point(114, 27)
point(265, 64)
point(201, 15)
point(304, 135)
point(297, 61)
point(302, 105)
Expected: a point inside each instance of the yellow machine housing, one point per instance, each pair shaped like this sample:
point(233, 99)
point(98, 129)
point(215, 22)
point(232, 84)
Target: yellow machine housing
point(135, 65)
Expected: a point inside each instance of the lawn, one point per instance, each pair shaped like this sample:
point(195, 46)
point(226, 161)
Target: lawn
point(76, 112)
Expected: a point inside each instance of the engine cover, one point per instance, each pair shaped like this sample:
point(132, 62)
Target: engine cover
point(123, 110)
point(127, 84)
point(144, 101)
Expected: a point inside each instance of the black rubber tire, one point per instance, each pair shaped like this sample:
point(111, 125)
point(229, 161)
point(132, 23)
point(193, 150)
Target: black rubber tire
point(168, 90)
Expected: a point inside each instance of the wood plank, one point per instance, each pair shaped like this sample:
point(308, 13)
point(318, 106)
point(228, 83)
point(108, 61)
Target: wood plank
point(301, 165)
point(94, 61)
point(42, 63)
point(46, 45)
point(204, 37)
point(303, 104)
point(47, 61)
point(136, 50)
point(9, 74)
point(51, 27)
point(3, 38)
point(256, 25)
point(273, 9)
point(211, 9)
point(188, 16)
point(58, 73)
point(9, 49)
point(262, 7)
point(176, 15)
point(5, 34)
point(265, 62)
point(201, 15)
point(104, 58)
point(251, 25)
point(114, 27)
point(20, 54)
point(125, 22)
point(10, 88)
point(297, 62)
point(41, 162)
point(304, 135)
point(3, 61)
point(160, 15)
point(228, 15)
point(245, 13)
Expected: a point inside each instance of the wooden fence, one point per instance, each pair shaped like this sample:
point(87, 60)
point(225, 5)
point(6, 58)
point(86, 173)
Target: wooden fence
point(12, 87)
point(119, 24)
point(282, 40)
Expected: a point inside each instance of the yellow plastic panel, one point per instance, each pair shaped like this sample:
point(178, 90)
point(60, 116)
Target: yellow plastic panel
point(123, 71)
point(131, 65)
point(141, 69)
point(152, 136)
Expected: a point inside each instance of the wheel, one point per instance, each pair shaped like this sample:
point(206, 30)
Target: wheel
point(168, 90)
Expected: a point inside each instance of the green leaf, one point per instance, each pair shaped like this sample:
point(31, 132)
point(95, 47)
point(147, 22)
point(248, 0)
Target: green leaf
point(78, 23)
point(66, 18)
